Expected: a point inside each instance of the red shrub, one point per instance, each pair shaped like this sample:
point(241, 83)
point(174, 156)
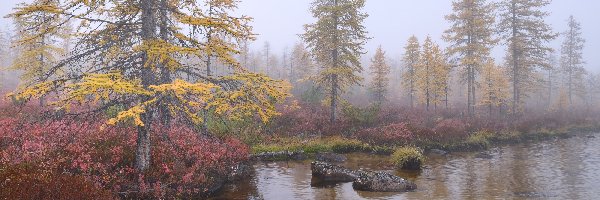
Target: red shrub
point(306, 120)
point(393, 134)
point(450, 129)
point(26, 182)
point(184, 164)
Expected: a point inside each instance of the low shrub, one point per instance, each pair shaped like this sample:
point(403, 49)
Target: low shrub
point(360, 117)
point(508, 136)
point(478, 140)
point(390, 135)
point(24, 181)
point(409, 158)
point(341, 145)
point(450, 129)
point(184, 164)
point(307, 120)
point(317, 145)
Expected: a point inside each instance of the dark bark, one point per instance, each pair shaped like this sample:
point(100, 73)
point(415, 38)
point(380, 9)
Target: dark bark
point(142, 153)
point(334, 77)
point(515, 58)
point(148, 32)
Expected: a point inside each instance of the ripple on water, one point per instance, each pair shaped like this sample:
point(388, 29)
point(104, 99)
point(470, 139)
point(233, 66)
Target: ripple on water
point(556, 169)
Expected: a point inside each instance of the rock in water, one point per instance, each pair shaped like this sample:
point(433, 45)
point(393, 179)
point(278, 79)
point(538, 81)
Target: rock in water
point(382, 182)
point(438, 152)
point(333, 173)
point(239, 171)
point(330, 157)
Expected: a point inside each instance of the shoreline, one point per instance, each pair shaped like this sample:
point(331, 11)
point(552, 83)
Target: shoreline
point(290, 148)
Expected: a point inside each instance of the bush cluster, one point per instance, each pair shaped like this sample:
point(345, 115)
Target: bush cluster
point(184, 164)
point(409, 158)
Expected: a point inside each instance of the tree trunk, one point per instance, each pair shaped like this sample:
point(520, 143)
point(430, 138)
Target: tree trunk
point(165, 114)
point(334, 93)
point(334, 77)
point(148, 32)
point(515, 58)
point(142, 153)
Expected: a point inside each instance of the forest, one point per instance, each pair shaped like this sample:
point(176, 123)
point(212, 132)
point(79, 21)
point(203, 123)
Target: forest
point(173, 99)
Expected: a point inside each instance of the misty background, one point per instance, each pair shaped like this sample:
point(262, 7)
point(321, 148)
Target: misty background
point(391, 23)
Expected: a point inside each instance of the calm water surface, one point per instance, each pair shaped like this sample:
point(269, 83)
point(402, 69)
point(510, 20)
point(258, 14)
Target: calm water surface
point(556, 169)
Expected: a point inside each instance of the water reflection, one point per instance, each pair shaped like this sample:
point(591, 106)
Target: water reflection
point(557, 169)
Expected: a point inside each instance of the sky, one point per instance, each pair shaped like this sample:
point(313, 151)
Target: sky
point(392, 22)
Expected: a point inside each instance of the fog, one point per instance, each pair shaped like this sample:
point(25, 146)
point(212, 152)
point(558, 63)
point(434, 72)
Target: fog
point(390, 23)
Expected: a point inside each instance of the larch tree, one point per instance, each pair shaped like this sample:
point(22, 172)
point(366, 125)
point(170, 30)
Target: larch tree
point(551, 78)
point(38, 47)
point(592, 82)
point(526, 35)
point(410, 59)
point(301, 68)
point(562, 103)
point(432, 75)
point(336, 42)
point(471, 38)
point(380, 71)
point(424, 71)
point(267, 55)
point(572, 59)
point(301, 65)
point(132, 53)
point(5, 56)
point(440, 78)
point(494, 86)
point(244, 56)
point(285, 64)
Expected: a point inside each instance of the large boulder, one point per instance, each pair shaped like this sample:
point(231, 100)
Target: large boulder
point(330, 157)
point(382, 182)
point(362, 180)
point(332, 173)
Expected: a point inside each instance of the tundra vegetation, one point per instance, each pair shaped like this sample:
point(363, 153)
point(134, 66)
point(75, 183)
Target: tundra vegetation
point(164, 98)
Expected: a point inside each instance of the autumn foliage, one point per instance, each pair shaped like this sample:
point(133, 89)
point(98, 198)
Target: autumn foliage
point(48, 157)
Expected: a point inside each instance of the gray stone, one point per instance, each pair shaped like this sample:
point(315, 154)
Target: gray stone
point(382, 182)
point(332, 173)
point(362, 180)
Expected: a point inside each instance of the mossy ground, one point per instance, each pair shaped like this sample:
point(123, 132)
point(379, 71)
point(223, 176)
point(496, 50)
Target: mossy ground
point(409, 157)
point(477, 141)
point(317, 145)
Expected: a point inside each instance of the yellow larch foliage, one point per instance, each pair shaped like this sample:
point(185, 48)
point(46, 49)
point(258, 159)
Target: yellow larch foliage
point(335, 47)
point(102, 86)
point(470, 38)
point(261, 89)
point(431, 63)
point(441, 77)
point(494, 86)
point(380, 71)
point(150, 58)
point(142, 55)
point(411, 57)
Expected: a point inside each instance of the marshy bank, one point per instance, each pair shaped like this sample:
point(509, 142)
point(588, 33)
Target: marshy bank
point(555, 168)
